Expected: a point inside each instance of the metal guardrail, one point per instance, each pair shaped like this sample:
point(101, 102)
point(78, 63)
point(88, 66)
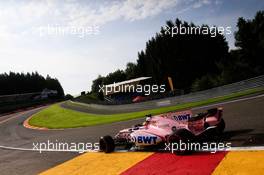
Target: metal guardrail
point(17, 97)
point(251, 83)
point(221, 91)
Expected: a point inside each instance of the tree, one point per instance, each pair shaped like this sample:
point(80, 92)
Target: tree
point(116, 76)
point(54, 84)
point(131, 71)
point(250, 41)
point(96, 87)
point(184, 57)
point(68, 97)
point(18, 83)
point(198, 61)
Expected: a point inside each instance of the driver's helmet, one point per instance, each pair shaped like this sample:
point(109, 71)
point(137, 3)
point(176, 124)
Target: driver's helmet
point(148, 119)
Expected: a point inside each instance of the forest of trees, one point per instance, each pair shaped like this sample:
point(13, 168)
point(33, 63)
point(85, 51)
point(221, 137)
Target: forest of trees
point(197, 61)
point(19, 83)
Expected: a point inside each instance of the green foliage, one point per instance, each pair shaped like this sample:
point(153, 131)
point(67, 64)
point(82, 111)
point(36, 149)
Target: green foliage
point(18, 83)
point(198, 61)
point(68, 97)
point(207, 81)
point(182, 57)
point(247, 60)
point(116, 76)
point(132, 71)
point(90, 97)
point(97, 83)
point(250, 41)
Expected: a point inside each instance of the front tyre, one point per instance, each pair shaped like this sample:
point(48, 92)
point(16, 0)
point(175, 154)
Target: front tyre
point(107, 144)
point(221, 126)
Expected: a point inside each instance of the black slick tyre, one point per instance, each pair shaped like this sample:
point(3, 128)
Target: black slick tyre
point(107, 144)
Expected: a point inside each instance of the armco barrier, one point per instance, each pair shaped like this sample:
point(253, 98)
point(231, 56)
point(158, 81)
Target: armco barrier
point(251, 83)
point(221, 91)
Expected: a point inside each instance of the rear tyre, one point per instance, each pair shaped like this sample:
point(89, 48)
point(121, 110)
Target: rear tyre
point(107, 144)
point(212, 111)
point(181, 137)
point(221, 126)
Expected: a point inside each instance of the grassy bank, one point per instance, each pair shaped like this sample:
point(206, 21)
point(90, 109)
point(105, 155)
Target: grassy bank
point(57, 117)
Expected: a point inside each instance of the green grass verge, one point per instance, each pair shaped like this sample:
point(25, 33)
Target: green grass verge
point(58, 117)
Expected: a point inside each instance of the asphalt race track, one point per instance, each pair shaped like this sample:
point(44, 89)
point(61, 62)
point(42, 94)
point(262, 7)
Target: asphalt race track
point(244, 127)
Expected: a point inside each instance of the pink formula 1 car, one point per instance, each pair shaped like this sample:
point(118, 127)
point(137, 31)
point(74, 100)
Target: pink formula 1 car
point(167, 128)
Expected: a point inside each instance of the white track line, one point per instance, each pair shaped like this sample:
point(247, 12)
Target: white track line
point(19, 114)
point(228, 102)
point(246, 148)
point(12, 117)
point(46, 150)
